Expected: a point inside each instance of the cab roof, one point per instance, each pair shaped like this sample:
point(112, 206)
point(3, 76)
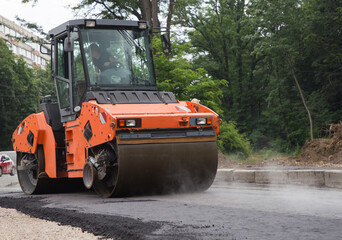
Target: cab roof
point(98, 22)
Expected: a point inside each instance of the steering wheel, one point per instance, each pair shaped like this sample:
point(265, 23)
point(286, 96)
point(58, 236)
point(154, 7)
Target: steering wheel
point(110, 76)
point(115, 65)
point(116, 76)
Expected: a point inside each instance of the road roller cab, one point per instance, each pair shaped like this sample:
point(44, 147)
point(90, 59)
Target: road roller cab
point(111, 127)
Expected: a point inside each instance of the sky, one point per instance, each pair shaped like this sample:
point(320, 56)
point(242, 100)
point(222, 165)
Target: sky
point(46, 13)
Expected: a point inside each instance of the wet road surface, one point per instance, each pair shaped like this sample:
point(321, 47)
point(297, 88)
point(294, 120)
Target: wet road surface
point(225, 211)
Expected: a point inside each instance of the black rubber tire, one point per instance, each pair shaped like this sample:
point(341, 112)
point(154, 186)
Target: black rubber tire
point(43, 183)
point(28, 179)
point(13, 171)
point(0, 171)
point(105, 187)
point(89, 175)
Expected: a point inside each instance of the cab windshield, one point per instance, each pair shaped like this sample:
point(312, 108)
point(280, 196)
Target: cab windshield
point(117, 57)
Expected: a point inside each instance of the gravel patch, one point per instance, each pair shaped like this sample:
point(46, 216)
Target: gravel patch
point(16, 225)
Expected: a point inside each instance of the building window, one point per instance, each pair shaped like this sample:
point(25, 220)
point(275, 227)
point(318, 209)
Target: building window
point(14, 49)
point(7, 31)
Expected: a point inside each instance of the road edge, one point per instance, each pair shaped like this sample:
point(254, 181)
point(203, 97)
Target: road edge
point(309, 177)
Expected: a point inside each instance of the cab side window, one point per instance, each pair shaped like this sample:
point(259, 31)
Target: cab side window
point(62, 75)
point(79, 85)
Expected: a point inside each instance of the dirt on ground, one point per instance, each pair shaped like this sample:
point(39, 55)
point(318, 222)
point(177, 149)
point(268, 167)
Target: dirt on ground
point(327, 150)
point(320, 152)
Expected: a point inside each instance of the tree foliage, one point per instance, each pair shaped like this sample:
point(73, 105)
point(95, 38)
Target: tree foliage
point(231, 141)
point(269, 52)
point(266, 66)
point(18, 93)
point(175, 73)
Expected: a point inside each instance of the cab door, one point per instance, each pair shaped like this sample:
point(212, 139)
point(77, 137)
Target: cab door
point(69, 76)
point(62, 76)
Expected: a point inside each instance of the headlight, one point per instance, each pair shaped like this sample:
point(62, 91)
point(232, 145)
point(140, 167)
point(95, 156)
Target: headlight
point(142, 25)
point(195, 121)
point(130, 123)
point(90, 23)
point(201, 121)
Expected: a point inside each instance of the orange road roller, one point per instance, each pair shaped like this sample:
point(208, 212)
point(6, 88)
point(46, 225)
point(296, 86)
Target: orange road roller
point(112, 130)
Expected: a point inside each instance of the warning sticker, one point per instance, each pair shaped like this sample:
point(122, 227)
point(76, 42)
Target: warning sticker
point(103, 117)
point(183, 109)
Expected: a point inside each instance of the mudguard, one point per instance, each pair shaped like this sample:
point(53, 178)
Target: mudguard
point(34, 131)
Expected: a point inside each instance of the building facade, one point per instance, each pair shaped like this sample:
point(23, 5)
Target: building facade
point(30, 51)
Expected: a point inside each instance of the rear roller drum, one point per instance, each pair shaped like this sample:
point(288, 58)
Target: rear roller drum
point(33, 179)
point(29, 167)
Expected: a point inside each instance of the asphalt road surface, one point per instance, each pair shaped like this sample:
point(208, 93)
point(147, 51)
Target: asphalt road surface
point(225, 211)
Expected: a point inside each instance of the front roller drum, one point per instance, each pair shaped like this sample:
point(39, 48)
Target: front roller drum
point(161, 168)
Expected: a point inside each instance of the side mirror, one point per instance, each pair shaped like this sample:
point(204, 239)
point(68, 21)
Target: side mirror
point(45, 48)
point(68, 44)
point(68, 41)
point(166, 43)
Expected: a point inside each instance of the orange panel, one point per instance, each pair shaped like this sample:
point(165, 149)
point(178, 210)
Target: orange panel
point(42, 132)
point(103, 127)
point(97, 124)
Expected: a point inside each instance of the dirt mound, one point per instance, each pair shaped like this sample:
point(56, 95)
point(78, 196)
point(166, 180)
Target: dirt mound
point(327, 150)
point(224, 162)
point(320, 152)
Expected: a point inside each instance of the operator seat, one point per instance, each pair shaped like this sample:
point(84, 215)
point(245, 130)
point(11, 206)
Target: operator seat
point(53, 118)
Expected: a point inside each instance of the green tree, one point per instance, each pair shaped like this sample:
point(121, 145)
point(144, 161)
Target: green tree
point(231, 141)
point(287, 36)
point(45, 84)
point(7, 93)
point(270, 54)
point(176, 73)
point(18, 93)
point(266, 65)
point(218, 34)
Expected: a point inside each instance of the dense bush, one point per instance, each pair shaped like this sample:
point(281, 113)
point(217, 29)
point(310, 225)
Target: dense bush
point(231, 141)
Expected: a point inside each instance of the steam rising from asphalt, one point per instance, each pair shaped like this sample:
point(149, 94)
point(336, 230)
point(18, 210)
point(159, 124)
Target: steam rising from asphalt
point(278, 196)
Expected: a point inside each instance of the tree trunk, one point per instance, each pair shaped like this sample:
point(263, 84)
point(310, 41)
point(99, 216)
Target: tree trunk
point(302, 96)
point(240, 13)
point(145, 10)
point(169, 17)
point(226, 62)
point(281, 105)
point(239, 64)
point(38, 99)
point(155, 10)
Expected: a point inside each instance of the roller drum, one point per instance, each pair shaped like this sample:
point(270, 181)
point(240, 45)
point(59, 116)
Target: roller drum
point(165, 168)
